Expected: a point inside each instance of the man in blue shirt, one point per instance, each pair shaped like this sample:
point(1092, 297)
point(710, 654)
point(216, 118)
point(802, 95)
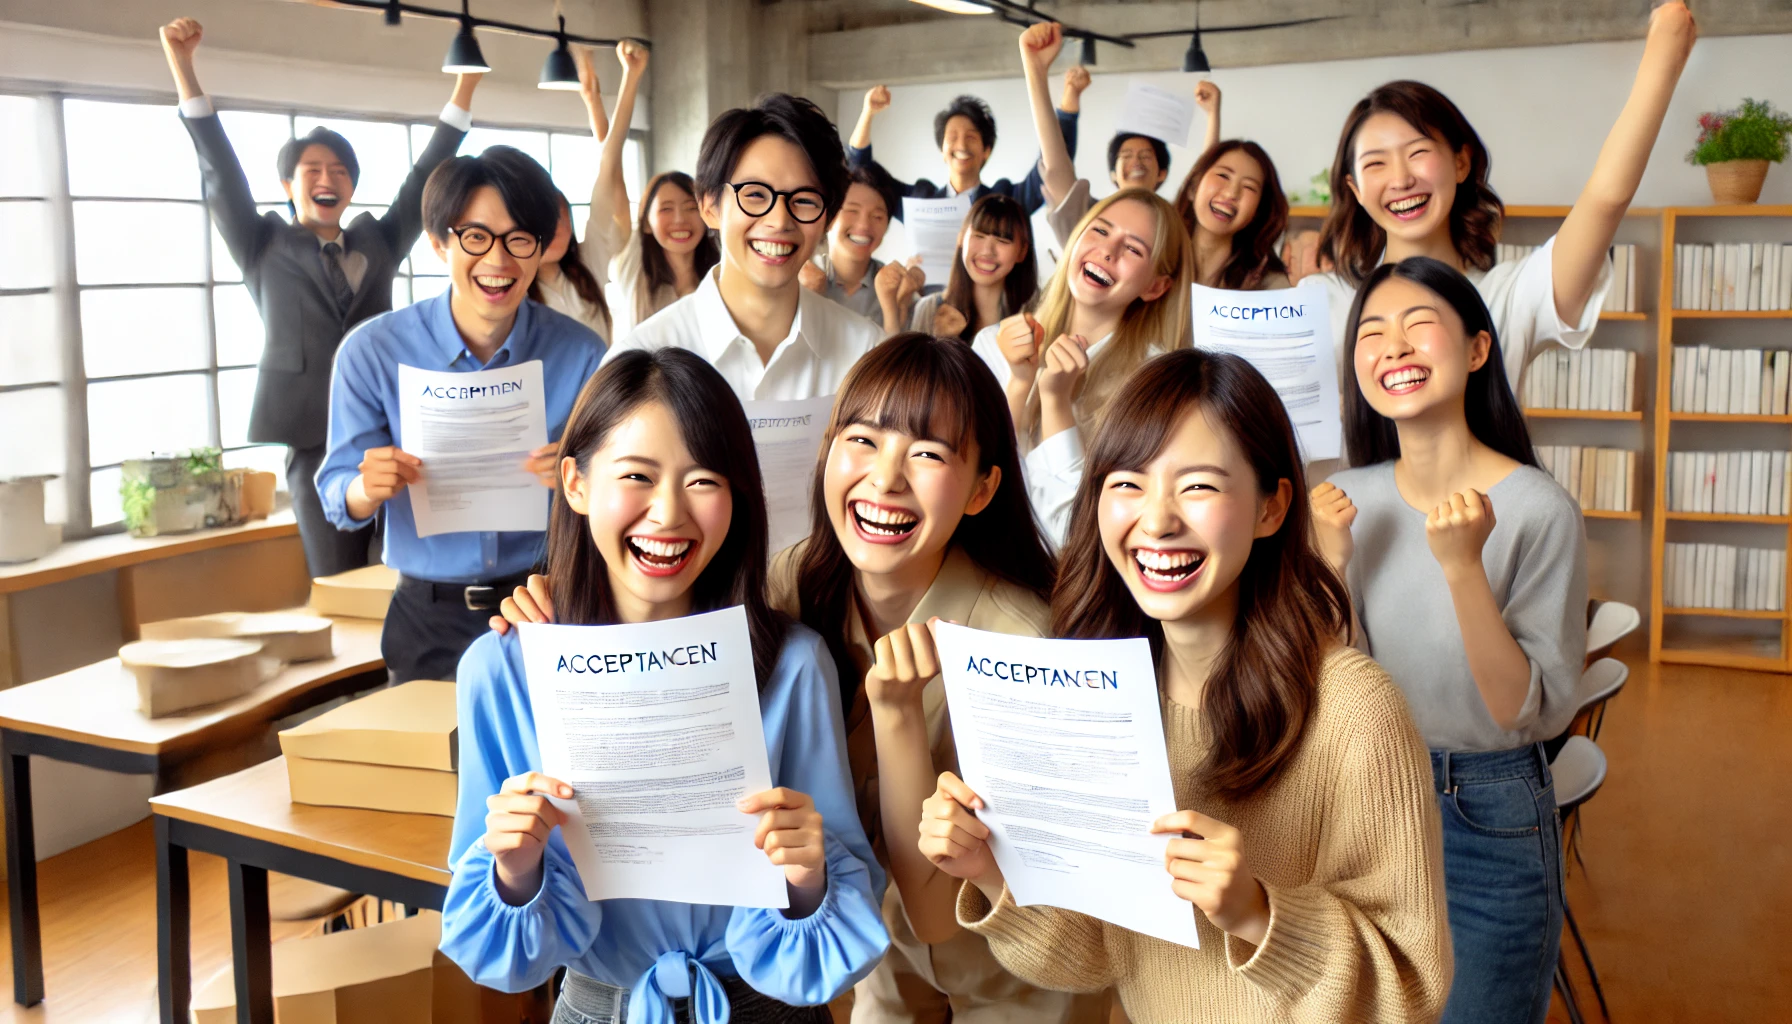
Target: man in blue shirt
point(489, 218)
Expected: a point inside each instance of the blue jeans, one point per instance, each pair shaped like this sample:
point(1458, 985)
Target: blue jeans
point(1503, 880)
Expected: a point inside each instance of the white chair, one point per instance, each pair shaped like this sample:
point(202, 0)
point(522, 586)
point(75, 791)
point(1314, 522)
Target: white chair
point(1612, 621)
point(1599, 684)
point(1579, 769)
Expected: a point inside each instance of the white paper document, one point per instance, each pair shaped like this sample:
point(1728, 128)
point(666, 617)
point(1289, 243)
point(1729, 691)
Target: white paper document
point(473, 431)
point(933, 232)
point(1159, 113)
point(1287, 335)
point(656, 728)
point(787, 436)
point(1064, 741)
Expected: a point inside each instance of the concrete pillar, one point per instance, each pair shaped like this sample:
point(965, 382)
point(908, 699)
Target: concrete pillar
point(702, 51)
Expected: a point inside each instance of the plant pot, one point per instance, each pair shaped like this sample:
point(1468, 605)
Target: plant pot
point(1736, 181)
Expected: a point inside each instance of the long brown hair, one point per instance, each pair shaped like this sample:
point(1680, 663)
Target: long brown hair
point(1253, 256)
point(573, 268)
point(656, 267)
point(1001, 216)
point(1353, 241)
point(715, 431)
point(1291, 605)
point(924, 386)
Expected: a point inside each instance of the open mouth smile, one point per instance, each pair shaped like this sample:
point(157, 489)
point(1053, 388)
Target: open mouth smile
point(680, 235)
point(1405, 380)
point(988, 268)
point(1097, 276)
point(1409, 207)
point(775, 253)
point(325, 198)
point(882, 524)
point(1167, 571)
point(863, 241)
point(493, 287)
point(660, 556)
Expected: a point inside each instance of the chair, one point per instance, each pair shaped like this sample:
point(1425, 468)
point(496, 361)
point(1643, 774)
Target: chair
point(1579, 770)
point(1598, 685)
point(1607, 623)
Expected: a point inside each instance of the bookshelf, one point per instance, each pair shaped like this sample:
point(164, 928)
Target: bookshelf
point(1717, 637)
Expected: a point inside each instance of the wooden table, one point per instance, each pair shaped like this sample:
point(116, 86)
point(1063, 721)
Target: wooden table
point(250, 820)
point(89, 716)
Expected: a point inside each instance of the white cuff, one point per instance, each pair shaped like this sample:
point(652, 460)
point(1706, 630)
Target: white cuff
point(197, 106)
point(1054, 470)
point(455, 117)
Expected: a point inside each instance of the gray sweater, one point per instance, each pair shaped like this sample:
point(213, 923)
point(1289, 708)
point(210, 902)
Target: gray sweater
point(1536, 560)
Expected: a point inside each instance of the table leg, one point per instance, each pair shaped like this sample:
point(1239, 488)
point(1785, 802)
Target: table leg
point(21, 880)
point(174, 909)
point(251, 943)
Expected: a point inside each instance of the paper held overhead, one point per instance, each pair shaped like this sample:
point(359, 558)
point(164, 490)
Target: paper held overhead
point(1286, 334)
point(1158, 113)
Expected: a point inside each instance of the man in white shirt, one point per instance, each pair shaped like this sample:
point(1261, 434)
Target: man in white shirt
point(768, 179)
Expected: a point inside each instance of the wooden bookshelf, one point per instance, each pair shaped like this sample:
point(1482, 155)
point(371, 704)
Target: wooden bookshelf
point(1604, 513)
point(1609, 314)
point(1751, 653)
point(1583, 414)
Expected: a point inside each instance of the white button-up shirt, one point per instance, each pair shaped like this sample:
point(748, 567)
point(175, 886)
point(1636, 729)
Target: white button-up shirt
point(825, 340)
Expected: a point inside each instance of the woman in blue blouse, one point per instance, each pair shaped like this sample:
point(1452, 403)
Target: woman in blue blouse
point(661, 514)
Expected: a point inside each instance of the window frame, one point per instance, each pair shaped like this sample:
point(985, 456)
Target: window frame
point(67, 290)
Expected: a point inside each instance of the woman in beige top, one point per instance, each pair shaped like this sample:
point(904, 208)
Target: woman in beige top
point(663, 255)
point(1307, 839)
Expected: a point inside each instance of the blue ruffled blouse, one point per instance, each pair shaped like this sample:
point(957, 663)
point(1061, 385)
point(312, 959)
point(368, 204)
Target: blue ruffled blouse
point(656, 949)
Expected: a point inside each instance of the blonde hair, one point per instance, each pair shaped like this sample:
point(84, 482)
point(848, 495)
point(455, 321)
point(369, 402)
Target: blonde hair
point(1163, 322)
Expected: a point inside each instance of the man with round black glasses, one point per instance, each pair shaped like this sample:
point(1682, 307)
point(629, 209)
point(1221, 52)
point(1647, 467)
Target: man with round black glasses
point(489, 218)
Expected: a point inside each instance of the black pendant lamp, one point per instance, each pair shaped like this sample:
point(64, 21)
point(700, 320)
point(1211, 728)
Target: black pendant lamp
point(1088, 51)
point(1194, 59)
point(463, 54)
point(559, 72)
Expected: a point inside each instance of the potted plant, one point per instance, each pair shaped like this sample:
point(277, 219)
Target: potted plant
point(1735, 147)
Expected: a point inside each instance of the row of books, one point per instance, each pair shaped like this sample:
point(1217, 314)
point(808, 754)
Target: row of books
point(1736, 381)
point(1621, 298)
point(1722, 576)
point(1730, 483)
point(1602, 479)
point(1733, 275)
point(1597, 379)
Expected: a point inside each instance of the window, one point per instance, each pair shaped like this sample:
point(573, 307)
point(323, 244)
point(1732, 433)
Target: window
point(123, 317)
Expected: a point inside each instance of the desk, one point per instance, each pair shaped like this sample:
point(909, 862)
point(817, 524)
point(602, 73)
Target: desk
point(89, 716)
point(250, 820)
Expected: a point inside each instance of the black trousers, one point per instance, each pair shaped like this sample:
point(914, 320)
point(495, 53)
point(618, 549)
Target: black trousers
point(429, 626)
point(328, 550)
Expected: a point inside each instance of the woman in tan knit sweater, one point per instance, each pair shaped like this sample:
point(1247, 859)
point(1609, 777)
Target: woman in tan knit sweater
point(1308, 839)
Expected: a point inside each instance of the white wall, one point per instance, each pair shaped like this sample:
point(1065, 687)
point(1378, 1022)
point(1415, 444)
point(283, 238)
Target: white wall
point(1543, 112)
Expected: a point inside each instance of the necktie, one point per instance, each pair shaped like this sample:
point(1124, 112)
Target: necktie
point(345, 294)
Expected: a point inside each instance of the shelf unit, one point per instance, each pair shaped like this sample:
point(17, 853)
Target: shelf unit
point(1758, 653)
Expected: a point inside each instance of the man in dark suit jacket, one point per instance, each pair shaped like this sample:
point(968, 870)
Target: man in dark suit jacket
point(312, 278)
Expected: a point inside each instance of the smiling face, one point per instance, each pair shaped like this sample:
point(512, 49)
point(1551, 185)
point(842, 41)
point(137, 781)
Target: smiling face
point(989, 257)
point(656, 516)
point(1413, 354)
point(489, 287)
point(1179, 529)
point(1227, 197)
point(1135, 165)
point(860, 225)
point(895, 499)
point(674, 220)
point(963, 148)
point(1405, 178)
point(768, 250)
point(320, 188)
point(1113, 262)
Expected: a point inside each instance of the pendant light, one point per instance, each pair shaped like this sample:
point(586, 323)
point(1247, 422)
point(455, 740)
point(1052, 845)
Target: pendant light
point(1088, 51)
point(559, 72)
point(956, 6)
point(463, 54)
point(1194, 60)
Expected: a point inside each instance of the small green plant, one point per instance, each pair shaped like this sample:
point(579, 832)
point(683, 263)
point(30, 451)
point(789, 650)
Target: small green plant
point(1319, 192)
point(139, 498)
point(204, 461)
point(1753, 131)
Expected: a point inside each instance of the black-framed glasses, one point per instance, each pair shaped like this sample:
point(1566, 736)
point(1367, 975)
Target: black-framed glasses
point(477, 239)
point(756, 199)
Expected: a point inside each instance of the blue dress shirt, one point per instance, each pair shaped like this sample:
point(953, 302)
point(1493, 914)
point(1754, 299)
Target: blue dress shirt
point(1029, 192)
point(653, 948)
point(364, 414)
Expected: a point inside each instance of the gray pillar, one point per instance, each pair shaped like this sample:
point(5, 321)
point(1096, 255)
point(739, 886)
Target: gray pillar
point(701, 55)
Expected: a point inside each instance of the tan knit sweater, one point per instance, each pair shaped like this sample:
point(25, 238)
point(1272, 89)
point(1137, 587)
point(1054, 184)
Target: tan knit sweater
point(1346, 842)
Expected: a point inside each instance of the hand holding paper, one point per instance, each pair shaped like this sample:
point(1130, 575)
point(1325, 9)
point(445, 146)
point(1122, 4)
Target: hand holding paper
point(478, 433)
point(790, 834)
point(1210, 871)
point(384, 472)
point(517, 825)
point(955, 840)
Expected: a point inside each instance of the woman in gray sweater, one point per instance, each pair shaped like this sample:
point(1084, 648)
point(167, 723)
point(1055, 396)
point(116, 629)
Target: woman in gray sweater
point(1468, 568)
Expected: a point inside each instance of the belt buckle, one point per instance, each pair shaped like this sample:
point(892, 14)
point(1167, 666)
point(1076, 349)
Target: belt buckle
point(486, 592)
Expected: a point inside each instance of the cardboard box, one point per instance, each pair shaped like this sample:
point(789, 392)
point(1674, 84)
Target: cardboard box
point(375, 787)
point(411, 725)
point(283, 635)
point(360, 593)
point(384, 974)
point(174, 675)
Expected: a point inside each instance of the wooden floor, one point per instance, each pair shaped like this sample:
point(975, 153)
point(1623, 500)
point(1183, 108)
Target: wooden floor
point(1684, 901)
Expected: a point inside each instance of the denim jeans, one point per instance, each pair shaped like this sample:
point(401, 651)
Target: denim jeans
point(1503, 881)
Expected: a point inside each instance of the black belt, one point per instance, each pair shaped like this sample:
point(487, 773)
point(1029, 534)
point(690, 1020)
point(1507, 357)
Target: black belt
point(474, 597)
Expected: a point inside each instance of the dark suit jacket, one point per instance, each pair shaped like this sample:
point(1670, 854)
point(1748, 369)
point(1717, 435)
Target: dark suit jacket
point(284, 270)
point(1029, 192)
